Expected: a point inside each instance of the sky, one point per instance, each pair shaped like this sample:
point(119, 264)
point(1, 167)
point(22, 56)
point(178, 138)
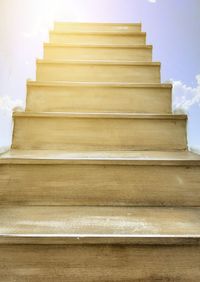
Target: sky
point(172, 26)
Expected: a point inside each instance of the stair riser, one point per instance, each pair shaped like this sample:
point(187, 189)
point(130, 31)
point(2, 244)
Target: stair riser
point(90, 185)
point(97, 39)
point(63, 133)
point(78, 53)
point(70, 27)
point(104, 263)
point(98, 73)
point(98, 99)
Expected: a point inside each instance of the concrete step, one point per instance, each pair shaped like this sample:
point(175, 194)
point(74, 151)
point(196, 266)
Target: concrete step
point(125, 178)
point(140, 53)
point(102, 27)
point(91, 131)
point(98, 97)
point(95, 37)
point(98, 71)
point(120, 224)
point(88, 244)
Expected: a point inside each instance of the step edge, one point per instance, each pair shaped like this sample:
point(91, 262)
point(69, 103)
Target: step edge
point(124, 46)
point(185, 158)
point(107, 239)
point(98, 62)
point(101, 235)
point(90, 161)
point(99, 23)
point(98, 115)
point(91, 84)
point(120, 33)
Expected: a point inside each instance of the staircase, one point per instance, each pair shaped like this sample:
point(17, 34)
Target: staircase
point(99, 184)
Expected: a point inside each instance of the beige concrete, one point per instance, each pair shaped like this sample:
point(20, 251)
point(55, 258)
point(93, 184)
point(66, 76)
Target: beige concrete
point(102, 97)
point(71, 26)
point(96, 132)
point(140, 53)
point(98, 37)
point(77, 201)
point(98, 71)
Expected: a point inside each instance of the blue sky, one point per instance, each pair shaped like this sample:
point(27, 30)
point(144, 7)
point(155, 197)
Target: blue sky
point(172, 26)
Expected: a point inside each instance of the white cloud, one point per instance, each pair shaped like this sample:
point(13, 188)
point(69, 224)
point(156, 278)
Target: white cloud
point(7, 106)
point(4, 149)
point(195, 149)
point(152, 1)
point(184, 97)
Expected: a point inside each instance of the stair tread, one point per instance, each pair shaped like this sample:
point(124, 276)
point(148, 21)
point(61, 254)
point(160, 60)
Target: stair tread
point(107, 157)
point(98, 23)
point(98, 62)
point(100, 115)
point(98, 84)
point(96, 32)
point(126, 46)
point(99, 222)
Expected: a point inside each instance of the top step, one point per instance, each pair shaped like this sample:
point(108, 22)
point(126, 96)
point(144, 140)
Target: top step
point(104, 27)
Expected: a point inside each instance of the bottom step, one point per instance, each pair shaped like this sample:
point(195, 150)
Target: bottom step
point(99, 244)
